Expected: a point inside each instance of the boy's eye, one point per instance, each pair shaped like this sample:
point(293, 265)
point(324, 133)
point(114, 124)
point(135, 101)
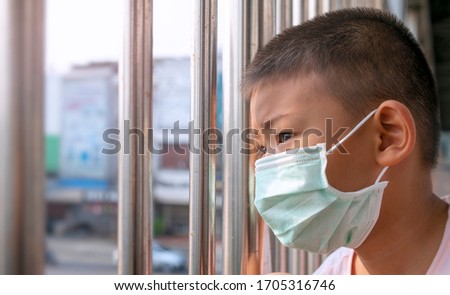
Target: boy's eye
point(284, 136)
point(262, 149)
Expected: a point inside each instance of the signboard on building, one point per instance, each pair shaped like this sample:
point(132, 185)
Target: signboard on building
point(89, 107)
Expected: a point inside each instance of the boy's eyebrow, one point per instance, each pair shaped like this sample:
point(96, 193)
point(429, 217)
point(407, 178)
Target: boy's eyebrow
point(267, 124)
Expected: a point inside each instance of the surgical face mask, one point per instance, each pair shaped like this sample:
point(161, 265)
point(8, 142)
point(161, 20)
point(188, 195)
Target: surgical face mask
point(295, 199)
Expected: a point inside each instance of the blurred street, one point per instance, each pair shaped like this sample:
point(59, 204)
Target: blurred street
point(86, 255)
point(94, 255)
point(81, 256)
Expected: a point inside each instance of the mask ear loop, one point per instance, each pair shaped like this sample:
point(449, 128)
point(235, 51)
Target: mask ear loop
point(351, 132)
point(381, 174)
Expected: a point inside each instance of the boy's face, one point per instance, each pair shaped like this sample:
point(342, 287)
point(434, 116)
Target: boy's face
point(294, 113)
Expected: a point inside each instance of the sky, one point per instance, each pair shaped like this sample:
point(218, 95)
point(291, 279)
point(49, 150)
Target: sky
point(80, 31)
point(83, 31)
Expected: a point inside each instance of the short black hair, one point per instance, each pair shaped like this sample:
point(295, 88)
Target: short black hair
point(364, 56)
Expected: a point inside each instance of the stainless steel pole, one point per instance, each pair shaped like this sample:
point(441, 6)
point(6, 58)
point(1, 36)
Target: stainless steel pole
point(22, 229)
point(7, 187)
point(203, 141)
point(235, 162)
point(269, 17)
point(135, 117)
point(305, 10)
point(32, 83)
point(298, 262)
point(283, 17)
point(296, 12)
point(313, 8)
point(250, 26)
point(324, 6)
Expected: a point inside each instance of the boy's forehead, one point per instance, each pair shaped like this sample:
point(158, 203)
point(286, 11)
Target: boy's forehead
point(303, 96)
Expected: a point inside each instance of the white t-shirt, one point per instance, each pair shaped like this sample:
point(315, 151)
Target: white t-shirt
point(340, 261)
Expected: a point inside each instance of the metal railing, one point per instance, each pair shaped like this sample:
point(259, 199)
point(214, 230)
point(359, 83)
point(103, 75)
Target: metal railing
point(135, 174)
point(202, 164)
point(22, 219)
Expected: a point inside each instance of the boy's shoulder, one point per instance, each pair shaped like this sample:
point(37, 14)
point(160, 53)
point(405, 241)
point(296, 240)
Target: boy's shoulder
point(441, 263)
point(446, 199)
point(337, 263)
point(340, 261)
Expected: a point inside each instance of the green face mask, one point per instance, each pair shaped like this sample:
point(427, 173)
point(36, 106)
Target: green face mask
point(295, 199)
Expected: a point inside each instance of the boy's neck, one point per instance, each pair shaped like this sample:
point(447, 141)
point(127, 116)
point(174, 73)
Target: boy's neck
point(408, 234)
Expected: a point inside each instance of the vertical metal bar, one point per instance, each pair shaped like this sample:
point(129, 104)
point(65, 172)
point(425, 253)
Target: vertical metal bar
point(314, 261)
point(202, 161)
point(235, 162)
point(7, 188)
point(281, 258)
point(254, 38)
point(324, 6)
point(251, 26)
point(283, 18)
point(252, 12)
point(294, 261)
point(297, 263)
point(296, 12)
point(21, 123)
point(379, 4)
point(252, 30)
point(305, 10)
point(135, 117)
point(253, 35)
point(288, 14)
point(335, 4)
point(268, 25)
point(426, 32)
point(31, 81)
point(312, 8)
point(275, 255)
point(303, 262)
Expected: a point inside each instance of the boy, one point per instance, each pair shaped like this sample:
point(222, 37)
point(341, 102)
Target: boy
point(348, 113)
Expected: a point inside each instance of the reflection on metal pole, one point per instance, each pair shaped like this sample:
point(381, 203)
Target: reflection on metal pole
point(324, 6)
point(235, 118)
point(7, 105)
point(313, 8)
point(251, 26)
point(31, 149)
point(305, 10)
point(297, 262)
point(283, 17)
point(296, 12)
point(22, 229)
point(202, 144)
point(269, 24)
point(253, 40)
point(135, 117)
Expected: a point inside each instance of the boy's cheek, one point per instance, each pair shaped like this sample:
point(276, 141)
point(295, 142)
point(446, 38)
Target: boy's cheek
point(352, 171)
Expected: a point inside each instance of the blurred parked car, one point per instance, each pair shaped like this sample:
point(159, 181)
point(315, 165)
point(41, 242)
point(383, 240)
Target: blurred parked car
point(167, 260)
point(164, 259)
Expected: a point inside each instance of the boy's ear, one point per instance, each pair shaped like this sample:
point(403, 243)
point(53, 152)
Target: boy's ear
point(396, 133)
